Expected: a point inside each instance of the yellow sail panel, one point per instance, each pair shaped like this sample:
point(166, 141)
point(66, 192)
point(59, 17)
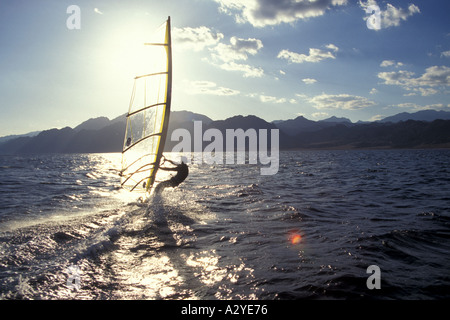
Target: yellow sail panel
point(148, 115)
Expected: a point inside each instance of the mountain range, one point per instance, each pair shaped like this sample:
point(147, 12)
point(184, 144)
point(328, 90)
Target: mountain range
point(423, 129)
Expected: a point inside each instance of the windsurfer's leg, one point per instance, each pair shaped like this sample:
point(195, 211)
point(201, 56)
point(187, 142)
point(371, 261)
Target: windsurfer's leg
point(166, 184)
point(161, 186)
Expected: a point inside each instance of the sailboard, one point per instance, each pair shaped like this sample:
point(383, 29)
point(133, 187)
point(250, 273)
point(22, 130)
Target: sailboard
point(148, 114)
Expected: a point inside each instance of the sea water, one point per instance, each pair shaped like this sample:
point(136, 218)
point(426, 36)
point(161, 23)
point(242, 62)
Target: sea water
point(67, 230)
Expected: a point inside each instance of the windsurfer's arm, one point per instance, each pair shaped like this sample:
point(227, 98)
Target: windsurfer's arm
point(171, 162)
point(169, 169)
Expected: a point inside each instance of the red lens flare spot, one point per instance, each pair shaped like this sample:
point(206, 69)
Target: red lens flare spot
point(295, 238)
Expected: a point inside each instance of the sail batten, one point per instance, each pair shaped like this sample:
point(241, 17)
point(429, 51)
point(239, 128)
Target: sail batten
point(150, 74)
point(145, 108)
point(148, 115)
point(155, 44)
point(141, 140)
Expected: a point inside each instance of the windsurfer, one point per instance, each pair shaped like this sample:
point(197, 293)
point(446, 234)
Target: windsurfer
point(182, 173)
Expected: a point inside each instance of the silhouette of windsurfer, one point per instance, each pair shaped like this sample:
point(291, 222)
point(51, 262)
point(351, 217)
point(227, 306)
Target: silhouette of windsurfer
point(182, 172)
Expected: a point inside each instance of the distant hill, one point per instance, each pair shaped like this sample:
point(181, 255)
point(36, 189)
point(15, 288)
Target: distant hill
point(336, 120)
point(424, 115)
point(236, 122)
point(93, 124)
point(188, 116)
point(297, 125)
point(405, 134)
point(301, 124)
point(15, 136)
point(95, 135)
point(99, 135)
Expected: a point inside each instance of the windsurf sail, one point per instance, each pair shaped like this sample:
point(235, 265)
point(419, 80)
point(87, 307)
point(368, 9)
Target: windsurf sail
point(148, 114)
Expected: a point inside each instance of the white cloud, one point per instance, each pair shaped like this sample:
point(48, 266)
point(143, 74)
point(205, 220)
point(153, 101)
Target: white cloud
point(373, 91)
point(387, 63)
point(445, 54)
point(406, 105)
point(249, 71)
point(309, 80)
point(302, 96)
point(210, 88)
point(238, 49)
point(196, 38)
point(315, 55)
point(435, 76)
point(261, 13)
point(340, 101)
point(96, 10)
point(426, 91)
point(250, 46)
point(392, 16)
point(223, 55)
point(390, 63)
point(271, 99)
point(399, 78)
point(332, 47)
point(319, 114)
point(416, 107)
point(226, 55)
point(377, 117)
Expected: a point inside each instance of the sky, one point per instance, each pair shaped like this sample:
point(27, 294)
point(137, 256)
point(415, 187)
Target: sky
point(63, 62)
